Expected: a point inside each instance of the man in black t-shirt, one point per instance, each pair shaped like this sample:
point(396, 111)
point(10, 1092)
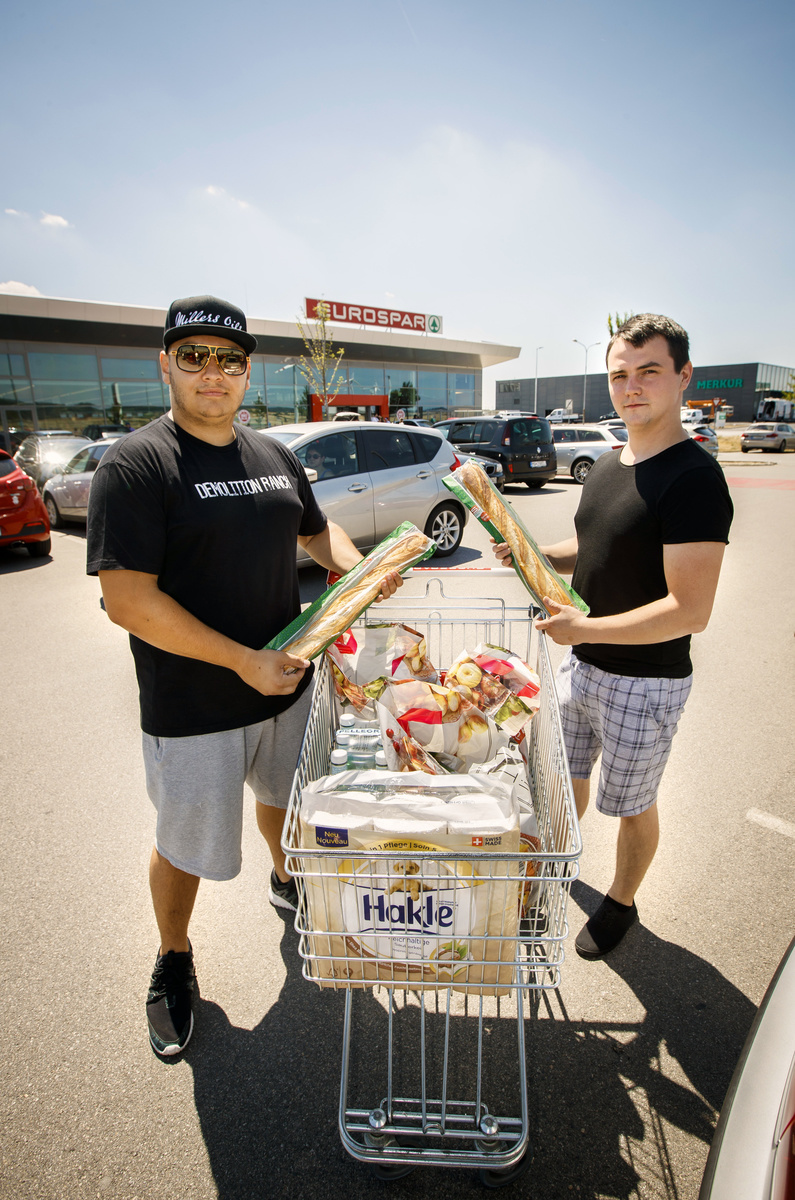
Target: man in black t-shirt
point(193, 525)
point(651, 529)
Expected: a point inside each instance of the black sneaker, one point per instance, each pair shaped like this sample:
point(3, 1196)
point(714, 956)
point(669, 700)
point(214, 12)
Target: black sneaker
point(605, 929)
point(283, 895)
point(169, 1003)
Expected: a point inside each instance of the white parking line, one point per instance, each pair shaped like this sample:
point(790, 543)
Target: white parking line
point(770, 822)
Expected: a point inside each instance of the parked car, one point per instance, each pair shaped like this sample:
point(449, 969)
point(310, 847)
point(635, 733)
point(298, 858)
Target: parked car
point(372, 476)
point(611, 416)
point(563, 416)
point(770, 436)
point(578, 449)
point(490, 465)
point(612, 423)
point(706, 437)
point(347, 416)
point(752, 1156)
point(43, 453)
point(95, 432)
point(65, 494)
point(23, 517)
point(523, 445)
point(420, 422)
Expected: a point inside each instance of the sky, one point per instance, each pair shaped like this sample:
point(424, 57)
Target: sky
point(521, 168)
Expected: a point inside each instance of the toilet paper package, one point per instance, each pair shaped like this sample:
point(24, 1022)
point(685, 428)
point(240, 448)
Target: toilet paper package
point(416, 914)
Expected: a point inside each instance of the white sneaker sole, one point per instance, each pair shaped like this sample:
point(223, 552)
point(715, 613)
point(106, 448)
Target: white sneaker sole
point(170, 1051)
point(280, 902)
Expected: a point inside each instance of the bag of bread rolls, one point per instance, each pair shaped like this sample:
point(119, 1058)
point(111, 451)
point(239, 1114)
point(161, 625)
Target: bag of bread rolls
point(499, 684)
point(362, 659)
point(439, 718)
point(472, 486)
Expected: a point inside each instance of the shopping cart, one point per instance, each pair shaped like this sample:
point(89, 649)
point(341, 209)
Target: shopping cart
point(423, 1079)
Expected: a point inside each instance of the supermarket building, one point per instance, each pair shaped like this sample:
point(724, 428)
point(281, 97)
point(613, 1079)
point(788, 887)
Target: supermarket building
point(66, 364)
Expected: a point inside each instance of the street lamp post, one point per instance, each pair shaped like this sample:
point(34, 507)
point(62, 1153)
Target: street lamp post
point(535, 394)
point(585, 372)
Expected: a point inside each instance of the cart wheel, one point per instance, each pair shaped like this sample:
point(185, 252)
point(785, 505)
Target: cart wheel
point(491, 1178)
point(389, 1171)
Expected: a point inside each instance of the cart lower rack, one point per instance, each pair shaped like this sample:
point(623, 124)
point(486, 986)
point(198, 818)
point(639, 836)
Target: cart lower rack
point(425, 1044)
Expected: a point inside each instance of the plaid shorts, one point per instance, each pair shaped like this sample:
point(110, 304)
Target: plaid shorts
point(630, 721)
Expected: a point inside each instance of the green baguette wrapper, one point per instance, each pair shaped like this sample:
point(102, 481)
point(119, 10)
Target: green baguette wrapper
point(553, 585)
point(335, 611)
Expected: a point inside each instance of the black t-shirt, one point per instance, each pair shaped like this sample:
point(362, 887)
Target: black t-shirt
point(626, 515)
point(218, 526)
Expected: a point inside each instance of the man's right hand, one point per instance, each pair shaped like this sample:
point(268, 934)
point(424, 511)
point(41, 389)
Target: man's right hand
point(272, 672)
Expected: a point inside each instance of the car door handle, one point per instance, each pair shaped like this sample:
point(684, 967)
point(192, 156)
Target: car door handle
point(423, 474)
point(358, 487)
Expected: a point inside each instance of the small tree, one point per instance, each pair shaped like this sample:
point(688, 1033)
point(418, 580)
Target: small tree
point(616, 320)
point(321, 366)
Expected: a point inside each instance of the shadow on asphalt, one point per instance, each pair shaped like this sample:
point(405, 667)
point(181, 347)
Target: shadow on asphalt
point(606, 1094)
point(606, 1101)
point(16, 558)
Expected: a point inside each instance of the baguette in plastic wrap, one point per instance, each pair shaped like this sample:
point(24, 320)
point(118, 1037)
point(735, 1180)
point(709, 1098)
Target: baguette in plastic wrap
point(336, 610)
point(472, 485)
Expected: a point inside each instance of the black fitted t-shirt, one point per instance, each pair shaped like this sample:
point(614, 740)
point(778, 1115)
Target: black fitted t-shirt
point(626, 515)
point(218, 526)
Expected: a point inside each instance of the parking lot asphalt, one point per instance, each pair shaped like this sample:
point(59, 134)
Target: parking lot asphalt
point(628, 1062)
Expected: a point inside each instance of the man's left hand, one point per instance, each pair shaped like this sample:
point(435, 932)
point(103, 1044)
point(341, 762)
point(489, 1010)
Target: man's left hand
point(389, 585)
point(566, 625)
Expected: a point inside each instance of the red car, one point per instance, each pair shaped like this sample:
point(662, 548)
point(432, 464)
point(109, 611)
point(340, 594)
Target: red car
point(23, 517)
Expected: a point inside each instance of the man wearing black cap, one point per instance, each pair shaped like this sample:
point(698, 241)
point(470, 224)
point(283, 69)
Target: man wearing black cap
point(192, 529)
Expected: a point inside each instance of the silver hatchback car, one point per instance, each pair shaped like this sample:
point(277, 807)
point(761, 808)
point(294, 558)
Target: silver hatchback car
point(579, 446)
point(372, 476)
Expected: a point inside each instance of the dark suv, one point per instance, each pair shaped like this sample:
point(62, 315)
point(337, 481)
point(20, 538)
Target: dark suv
point(523, 444)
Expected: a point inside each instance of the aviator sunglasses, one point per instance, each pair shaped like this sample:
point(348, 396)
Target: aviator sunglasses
point(195, 358)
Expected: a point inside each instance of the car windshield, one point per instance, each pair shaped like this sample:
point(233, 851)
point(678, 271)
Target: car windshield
point(61, 450)
point(619, 434)
point(7, 465)
point(764, 428)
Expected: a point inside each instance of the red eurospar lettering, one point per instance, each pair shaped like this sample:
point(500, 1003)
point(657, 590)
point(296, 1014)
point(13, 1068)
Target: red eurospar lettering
point(362, 314)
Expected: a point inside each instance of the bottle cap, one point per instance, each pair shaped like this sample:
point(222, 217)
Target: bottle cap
point(347, 721)
point(380, 758)
point(339, 758)
point(343, 737)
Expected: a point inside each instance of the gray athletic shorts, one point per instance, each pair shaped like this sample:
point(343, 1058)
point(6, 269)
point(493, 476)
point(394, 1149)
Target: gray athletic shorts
point(631, 722)
point(196, 785)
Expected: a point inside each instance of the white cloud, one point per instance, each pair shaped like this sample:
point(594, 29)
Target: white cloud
point(222, 193)
point(54, 221)
point(13, 212)
point(14, 288)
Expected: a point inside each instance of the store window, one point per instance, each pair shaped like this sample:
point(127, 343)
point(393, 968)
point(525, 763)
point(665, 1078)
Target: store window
point(135, 404)
point(130, 368)
point(63, 367)
point(365, 381)
point(432, 394)
point(12, 364)
point(461, 390)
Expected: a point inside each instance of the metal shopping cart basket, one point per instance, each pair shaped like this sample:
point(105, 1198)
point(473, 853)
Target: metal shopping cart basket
point(423, 1080)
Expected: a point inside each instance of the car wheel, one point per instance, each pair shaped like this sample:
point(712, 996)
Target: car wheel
point(445, 525)
point(580, 469)
point(39, 549)
point(53, 512)
point(744, 449)
point(783, 447)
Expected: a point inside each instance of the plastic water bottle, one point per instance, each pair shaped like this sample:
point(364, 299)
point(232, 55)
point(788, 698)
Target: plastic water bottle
point(362, 746)
point(339, 761)
point(342, 739)
point(380, 761)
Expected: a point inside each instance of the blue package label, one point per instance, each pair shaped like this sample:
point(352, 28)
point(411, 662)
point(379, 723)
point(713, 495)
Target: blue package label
point(331, 837)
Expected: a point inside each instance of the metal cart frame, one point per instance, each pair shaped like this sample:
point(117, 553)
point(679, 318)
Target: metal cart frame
point(392, 1132)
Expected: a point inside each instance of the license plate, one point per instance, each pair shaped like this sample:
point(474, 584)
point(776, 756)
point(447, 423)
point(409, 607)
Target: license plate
point(541, 462)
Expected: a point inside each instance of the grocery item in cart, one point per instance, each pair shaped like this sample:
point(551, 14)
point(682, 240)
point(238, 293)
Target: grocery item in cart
point(509, 767)
point(474, 488)
point(363, 658)
point(404, 754)
point(415, 914)
point(336, 610)
point(439, 719)
point(499, 684)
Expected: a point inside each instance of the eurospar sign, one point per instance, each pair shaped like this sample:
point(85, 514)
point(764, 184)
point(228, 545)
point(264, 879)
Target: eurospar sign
point(385, 318)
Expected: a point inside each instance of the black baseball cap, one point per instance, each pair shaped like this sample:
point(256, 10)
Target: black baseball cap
point(206, 315)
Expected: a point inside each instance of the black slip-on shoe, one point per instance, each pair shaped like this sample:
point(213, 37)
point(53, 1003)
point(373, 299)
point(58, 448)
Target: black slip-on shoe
point(602, 932)
point(169, 1003)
